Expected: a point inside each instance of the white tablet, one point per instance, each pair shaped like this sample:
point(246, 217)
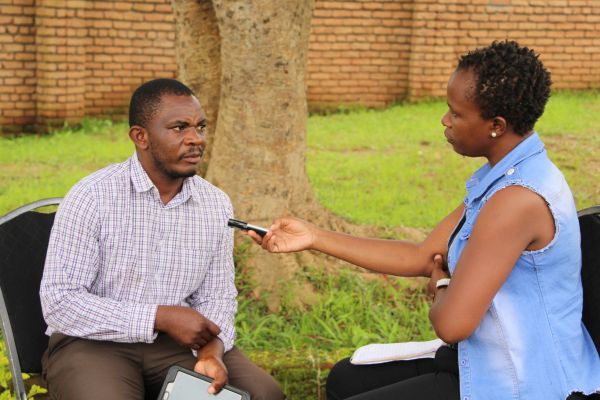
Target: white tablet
point(183, 384)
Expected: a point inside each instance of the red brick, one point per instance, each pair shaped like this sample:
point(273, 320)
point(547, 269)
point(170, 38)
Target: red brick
point(360, 51)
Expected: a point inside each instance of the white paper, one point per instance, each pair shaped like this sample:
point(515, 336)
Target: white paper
point(385, 352)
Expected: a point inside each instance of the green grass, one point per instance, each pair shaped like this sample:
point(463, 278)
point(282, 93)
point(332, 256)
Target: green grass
point(298, 345)
point(34, 167)
point(386, 168)
point(350, 311)
point(394, 167)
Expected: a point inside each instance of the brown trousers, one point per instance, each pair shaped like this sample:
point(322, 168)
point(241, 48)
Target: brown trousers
point(76, 369)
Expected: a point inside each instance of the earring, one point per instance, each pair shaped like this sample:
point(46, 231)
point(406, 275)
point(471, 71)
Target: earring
point(493, 134)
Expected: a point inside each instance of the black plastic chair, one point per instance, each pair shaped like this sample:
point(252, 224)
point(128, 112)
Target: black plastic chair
point(589, 223)
point(24, 235)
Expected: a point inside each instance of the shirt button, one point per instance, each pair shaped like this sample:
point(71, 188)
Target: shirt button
point(466, 398)
point(463, 362)
point(510, 171)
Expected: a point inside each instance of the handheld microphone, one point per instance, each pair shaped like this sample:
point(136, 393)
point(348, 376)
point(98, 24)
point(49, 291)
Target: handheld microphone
point(234, 223)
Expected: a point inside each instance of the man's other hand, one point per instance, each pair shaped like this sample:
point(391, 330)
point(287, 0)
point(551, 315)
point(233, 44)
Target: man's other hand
point(213, 367)
point(186, 326)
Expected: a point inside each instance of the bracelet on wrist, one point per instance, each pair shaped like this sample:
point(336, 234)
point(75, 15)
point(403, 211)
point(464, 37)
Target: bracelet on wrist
point(444, 282)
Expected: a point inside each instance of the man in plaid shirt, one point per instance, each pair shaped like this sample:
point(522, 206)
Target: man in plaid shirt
point(139, 273)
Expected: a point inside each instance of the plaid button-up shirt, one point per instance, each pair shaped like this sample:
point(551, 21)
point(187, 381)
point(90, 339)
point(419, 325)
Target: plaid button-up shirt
point(116, 253)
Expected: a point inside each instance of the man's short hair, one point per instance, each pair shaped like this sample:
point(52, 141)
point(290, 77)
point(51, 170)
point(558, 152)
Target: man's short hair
point(511, 83)
point(146, 99)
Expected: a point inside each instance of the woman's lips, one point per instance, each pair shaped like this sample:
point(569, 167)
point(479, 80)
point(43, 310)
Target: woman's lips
point(448, 138)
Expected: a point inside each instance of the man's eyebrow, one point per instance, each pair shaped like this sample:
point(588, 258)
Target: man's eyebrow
point(203, 121)
point(179, 122)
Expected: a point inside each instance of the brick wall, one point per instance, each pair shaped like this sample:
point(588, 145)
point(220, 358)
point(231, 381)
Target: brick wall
point(17, 63)
point(376, 52)
point(128, 43)
point(566, 34)
point(63, 59)
point(359, 52)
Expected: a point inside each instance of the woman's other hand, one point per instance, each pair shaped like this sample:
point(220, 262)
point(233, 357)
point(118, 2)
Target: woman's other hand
point(287, 235)
point(439, 271)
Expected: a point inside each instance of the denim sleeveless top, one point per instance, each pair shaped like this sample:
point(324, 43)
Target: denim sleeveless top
point(531, 343)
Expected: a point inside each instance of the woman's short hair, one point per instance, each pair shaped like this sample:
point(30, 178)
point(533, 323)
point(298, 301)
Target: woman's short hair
point(511, 83)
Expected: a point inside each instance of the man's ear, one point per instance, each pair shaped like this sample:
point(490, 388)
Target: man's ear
point(139, 136)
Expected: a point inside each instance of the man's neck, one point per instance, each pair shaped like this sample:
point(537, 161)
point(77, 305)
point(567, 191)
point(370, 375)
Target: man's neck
point(168, 190)
point(167, 186)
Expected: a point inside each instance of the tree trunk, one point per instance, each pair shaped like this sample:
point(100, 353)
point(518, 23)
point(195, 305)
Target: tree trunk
point(261, 132)
point(198, 51)
point(259, 49)
point(260, 141)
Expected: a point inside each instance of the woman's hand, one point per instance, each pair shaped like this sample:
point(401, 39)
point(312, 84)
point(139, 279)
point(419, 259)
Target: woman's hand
point(287, 235)
point(439, 271)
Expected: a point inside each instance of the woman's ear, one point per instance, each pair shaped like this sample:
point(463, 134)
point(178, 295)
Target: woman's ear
point(139, 136)
point(499, 125)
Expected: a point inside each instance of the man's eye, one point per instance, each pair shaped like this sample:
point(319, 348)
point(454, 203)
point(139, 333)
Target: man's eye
point(179, 128)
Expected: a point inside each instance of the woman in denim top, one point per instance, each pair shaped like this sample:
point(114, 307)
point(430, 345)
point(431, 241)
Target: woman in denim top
point(514, 301)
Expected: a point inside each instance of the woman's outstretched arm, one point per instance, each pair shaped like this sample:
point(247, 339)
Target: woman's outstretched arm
point(394, 257)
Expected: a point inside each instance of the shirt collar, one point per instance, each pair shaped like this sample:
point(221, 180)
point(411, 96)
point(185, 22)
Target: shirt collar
point(139, 178)
point(142, 182)
point(485, 176)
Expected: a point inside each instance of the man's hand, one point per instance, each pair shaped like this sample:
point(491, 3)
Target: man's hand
point(186, 326)
point(210, 363)
point(213, 367)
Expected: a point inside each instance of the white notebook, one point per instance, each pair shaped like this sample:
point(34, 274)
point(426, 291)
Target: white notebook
point(386, 352)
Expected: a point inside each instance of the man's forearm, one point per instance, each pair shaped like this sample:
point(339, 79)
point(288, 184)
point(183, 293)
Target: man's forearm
point(81, 314)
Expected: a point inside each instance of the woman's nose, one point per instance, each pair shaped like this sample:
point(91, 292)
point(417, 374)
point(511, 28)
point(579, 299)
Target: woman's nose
point(445, 119)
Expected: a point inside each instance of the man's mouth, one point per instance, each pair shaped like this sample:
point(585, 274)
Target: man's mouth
point(193, 157)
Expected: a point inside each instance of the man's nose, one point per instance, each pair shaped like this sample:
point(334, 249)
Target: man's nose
point(195, 136)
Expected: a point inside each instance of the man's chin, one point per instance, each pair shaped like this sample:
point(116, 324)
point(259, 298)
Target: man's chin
point(183, 173)
point(189, 174)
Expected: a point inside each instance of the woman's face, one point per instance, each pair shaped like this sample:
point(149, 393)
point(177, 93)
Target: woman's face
point(466, 130)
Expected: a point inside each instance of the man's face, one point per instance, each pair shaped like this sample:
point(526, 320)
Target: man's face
point(466, 130)
point(176, 136)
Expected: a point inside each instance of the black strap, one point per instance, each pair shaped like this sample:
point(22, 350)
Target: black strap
point(457, 229)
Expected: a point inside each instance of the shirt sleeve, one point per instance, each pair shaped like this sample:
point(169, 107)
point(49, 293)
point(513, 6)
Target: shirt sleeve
point(216, 297)
point(72, 266)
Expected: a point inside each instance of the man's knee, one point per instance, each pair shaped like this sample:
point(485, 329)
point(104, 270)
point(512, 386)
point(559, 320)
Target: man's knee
point(247, 376)
point(269, 391)
point(82, 369)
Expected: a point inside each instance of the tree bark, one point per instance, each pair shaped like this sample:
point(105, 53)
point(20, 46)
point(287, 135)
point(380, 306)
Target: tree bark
point(260, 138)
point(251, 55)
point(198, 52)
point(260, 141)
